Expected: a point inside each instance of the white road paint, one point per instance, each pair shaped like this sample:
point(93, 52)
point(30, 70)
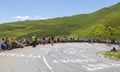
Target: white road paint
point(98, 66)
point(113, 64)
point(12, 54)
point(17, 55)
point(20, 55)
point(74, 61)
point(37, 56)
point(73, 51)
point(85, 56)
point(55, 61)
point(89, 59)
point(30, 56)
point(8, 54)
point(2, 54)
point(47, 63)
point(99, 48)
point(91, 69)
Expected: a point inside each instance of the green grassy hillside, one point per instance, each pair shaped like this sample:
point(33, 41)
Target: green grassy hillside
point(97, 24)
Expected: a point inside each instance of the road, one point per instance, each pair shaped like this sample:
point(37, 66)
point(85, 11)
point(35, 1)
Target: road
point(61, 57)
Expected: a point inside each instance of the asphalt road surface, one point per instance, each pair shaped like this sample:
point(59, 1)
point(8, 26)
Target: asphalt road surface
point(62, 57)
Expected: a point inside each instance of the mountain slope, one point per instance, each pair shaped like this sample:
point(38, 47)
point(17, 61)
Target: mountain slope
point(104, 23)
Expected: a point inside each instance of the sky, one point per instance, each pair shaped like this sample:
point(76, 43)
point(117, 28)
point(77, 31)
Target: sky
point(20, 10)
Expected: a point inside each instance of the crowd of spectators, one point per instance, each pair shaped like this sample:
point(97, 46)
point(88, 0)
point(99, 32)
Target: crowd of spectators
point(12, 43)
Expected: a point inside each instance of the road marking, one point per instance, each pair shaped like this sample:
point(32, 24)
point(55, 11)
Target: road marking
point(12, 54)
point(55, 61)
point(92, 67)
point(38, 56)
point(47, 64)
point(20, 55)
point(3, 54)
point(74, 61)
point(8, 54)
point(84, 56)
point(17, 55)
point(113, 64)
point(29, 56)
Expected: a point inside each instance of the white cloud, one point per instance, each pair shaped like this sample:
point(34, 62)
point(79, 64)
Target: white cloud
point(22, 18)
point(38, 17)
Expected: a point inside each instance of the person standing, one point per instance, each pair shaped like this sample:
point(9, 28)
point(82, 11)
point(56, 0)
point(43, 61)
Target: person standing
point(34, 40)
point(52, 40)
point(43, 39)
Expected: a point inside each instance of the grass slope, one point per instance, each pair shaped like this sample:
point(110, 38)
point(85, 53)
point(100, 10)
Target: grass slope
point(113, 55)
point(97, 24)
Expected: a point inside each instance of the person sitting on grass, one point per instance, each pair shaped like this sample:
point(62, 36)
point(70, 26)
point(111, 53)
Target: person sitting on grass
point(7, 44)
point(113, 49)
point(1, 46)
point(11, 42)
